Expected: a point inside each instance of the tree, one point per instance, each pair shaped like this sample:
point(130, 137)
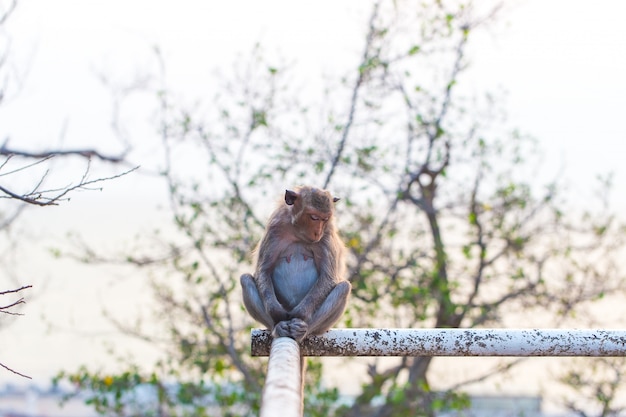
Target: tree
point(27, 179)
point(599, 384)
point(8, 309)
point(443, 220)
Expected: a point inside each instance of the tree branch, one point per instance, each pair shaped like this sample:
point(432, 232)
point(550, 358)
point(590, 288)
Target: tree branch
point(16, 290)
point(85, 153)
point(14, 371)
point(8, 12)
point(363, 70)
point(39, 198)
point(3, 309)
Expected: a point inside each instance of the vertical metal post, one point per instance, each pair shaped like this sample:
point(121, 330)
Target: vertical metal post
point(281, 393)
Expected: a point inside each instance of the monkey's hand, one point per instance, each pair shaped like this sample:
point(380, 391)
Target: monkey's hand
point(294, 328)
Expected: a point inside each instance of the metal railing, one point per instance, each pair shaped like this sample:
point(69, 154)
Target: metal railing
point(281, 395)
point(281, 392)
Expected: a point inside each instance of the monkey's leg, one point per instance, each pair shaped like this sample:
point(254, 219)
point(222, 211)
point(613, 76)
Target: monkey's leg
point(331, 309)
point(253, 303)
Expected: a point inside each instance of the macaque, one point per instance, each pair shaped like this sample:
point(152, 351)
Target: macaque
point(299, 287)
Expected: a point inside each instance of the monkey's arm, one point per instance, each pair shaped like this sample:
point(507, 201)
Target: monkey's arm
point(265, 264)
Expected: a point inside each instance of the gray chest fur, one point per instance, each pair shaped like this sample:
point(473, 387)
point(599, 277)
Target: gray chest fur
point(293, 278)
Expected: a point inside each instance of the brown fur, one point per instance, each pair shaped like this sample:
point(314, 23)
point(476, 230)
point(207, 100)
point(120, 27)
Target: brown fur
point(303, 224)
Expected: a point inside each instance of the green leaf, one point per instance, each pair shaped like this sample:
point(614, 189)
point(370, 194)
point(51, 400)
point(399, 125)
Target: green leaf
point(467, 251)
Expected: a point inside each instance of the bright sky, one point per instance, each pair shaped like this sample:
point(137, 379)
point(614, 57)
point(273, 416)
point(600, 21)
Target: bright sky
point(562, 63)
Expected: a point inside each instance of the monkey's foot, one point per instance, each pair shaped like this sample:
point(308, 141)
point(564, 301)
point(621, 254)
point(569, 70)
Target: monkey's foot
point(298, 329)
point(281, 329)
point(294, 328)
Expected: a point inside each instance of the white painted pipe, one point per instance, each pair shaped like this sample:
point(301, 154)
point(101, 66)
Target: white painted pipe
point(281, 392)
point(456, 342)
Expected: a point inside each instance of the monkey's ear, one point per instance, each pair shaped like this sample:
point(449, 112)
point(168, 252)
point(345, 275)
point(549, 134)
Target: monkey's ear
point(335, 199)
point(290, 197)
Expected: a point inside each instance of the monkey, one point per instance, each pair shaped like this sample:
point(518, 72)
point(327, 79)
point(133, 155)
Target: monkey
point(299, 286)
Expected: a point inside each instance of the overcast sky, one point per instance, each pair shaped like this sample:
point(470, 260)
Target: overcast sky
point(562, 63)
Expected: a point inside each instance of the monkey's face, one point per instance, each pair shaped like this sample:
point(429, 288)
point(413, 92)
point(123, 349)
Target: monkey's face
point(313, 224)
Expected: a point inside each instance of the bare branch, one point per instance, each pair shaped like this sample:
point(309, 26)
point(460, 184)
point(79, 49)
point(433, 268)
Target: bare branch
point(85, 153)
point(39, 197)
point(3, 309)
point(5, 15)
point(14, 371)
point(16, 290)
point(22, 168)
point(354, 97)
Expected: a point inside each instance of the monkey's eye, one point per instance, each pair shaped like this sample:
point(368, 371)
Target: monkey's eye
point(317, 218)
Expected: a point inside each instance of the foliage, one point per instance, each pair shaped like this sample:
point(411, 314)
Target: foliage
point(599, 382)
point(443, 220)
point(135, 393)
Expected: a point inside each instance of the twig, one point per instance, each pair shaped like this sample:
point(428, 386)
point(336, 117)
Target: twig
point(20, 301)
point(14, 371)
point(39, 199)
point(16, 290)
point(22, 168)
point(4, 309)
point(85, 153)
point(354, 97)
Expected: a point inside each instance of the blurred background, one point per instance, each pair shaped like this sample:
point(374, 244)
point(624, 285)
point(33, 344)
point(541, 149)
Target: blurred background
point(477, 148)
